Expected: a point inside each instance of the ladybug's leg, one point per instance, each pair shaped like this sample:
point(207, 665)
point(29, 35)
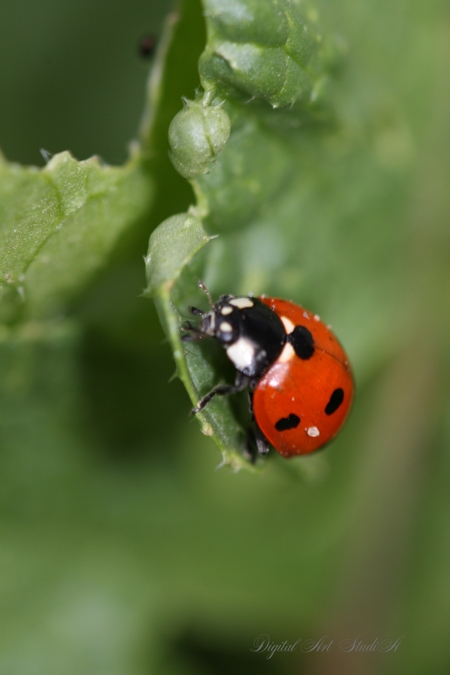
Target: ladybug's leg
point(249, 450)
point(256, 444)
point(262, 443)
point(192, 332)
point(195, 333)
point(196, 311)
point(255, 436)
point(241, 382)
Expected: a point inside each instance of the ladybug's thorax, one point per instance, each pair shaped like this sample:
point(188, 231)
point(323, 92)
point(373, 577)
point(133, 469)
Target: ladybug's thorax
point(252, 334)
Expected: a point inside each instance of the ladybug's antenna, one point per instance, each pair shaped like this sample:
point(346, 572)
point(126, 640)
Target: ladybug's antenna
point(205, 290)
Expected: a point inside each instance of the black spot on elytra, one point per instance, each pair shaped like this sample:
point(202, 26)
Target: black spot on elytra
point(335, 401)
point(302, 341)
point(286, 423)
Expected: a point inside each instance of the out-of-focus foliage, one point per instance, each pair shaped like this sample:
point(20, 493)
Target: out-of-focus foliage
point(58, 226)
point(121, 549)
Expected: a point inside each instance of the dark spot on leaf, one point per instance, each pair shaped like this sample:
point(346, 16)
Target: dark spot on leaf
point(147, 46)
point(335, 401)
point(286, 423)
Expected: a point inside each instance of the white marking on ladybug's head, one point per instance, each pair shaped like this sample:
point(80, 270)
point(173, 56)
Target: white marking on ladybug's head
point(316, 317)
point(287, 354)
point(242, 303)
point(313, 432)
point(226, 310)
point(241, 353)
point(287, 323)
point(225, 326)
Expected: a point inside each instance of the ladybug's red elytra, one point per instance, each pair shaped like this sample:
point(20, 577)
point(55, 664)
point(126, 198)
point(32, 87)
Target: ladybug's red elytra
point(299, 377)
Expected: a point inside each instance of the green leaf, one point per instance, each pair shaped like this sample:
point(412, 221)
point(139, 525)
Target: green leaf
point(263, 50)
point(280, 193)
point(172, 246)
point(117, 536)
point(58, 225)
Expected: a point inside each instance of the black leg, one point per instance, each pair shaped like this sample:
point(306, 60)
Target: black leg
point(241, 382)
point(250, 404)
point(256, 443)
point(188, 326)
point(262, 444)
point(196, 312)
point(192, 333)
point(249, 450)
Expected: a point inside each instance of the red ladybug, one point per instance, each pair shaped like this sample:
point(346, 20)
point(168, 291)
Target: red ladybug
point(297, 372)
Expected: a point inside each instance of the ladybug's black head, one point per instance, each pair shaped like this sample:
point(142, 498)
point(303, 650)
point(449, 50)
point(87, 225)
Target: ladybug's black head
point(224, 321)
point(252, 334)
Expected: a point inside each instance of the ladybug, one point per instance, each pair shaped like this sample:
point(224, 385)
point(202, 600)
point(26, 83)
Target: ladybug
point(299, 377)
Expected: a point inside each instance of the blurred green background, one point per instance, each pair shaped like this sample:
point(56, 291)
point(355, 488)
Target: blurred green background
point(122, 550)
